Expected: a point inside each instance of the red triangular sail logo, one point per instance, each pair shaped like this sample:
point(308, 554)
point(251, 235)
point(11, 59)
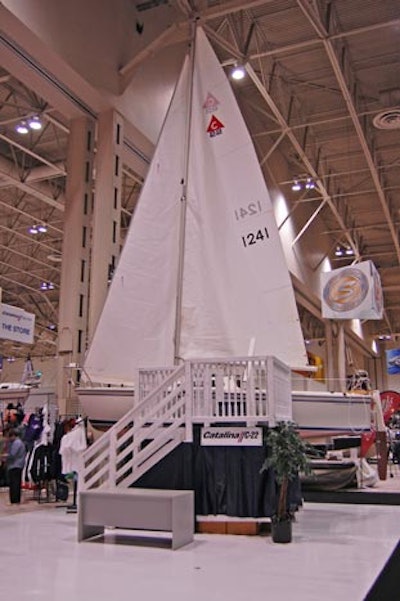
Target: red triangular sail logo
point(215, 126)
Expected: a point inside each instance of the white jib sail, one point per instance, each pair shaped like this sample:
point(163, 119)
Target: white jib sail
point(236, 285)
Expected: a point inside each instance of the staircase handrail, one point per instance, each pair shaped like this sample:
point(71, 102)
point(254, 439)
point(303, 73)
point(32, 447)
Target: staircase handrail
point(103, 456)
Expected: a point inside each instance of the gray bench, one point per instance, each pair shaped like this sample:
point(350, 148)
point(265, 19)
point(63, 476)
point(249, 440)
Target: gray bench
point(138, 509)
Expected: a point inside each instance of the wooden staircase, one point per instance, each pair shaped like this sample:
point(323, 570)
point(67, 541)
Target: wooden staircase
point(146, 434)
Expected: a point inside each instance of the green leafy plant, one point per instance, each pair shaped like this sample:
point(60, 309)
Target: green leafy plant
point(287, 456)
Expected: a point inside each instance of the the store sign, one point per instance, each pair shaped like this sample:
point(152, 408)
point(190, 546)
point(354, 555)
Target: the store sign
point(16, 324)
point(236, 436)
point(352, 293)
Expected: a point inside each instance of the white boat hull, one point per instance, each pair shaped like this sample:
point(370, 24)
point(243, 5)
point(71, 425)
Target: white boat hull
point(321, 414)
point(13, 393)
point(105, 406)
point(316, 413)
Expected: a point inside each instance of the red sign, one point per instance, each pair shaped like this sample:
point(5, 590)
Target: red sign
point(215, 126)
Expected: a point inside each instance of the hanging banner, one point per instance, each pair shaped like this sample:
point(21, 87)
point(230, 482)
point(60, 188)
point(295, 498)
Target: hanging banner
point(16, 324)
point(393, 361)
point(352, 293)
point(236, 436)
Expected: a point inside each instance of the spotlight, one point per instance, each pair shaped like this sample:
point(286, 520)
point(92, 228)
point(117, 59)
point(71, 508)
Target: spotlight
point(35, 123)
point(22, 128)
point(238, 72)
point(296, 186)
point(310, 185)
point(38, 229)
point(342, 251)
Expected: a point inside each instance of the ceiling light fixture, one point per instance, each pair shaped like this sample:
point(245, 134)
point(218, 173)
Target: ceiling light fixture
point(22, 128)
point(303, 182)
point(47, 286)
point(35, 123)
point(342, 251)
point(384, 337)
point(55, 257)
point(38, 229)
point(238, 72)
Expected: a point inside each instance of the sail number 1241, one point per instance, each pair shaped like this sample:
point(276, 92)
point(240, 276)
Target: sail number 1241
point(254, 237)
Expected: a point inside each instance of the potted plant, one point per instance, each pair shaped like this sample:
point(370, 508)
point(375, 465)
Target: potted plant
point(287, 457)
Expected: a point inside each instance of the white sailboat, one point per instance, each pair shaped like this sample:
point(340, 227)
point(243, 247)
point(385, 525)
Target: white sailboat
point(202, 272)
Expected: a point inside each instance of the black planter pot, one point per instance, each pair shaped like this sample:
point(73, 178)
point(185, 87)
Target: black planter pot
point(282, 531)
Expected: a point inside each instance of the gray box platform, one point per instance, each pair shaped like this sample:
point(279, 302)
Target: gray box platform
point(138, 509)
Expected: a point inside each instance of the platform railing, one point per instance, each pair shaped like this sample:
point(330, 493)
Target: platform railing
point(248, 390)
point(241, 389)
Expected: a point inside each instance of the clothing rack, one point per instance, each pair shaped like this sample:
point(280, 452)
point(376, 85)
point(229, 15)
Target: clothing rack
point(82, 422)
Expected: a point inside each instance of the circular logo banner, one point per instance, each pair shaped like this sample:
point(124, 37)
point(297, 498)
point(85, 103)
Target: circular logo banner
point(346, 290)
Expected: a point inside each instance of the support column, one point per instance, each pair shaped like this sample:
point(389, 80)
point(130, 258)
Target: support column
point(331, 373)
point(342, 357)
point(106, 243)
point(73, 310)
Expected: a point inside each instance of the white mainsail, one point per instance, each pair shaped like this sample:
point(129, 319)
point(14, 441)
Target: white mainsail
point(235, 287)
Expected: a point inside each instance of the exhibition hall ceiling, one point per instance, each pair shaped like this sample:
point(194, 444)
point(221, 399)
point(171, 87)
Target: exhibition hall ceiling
point(321, 91)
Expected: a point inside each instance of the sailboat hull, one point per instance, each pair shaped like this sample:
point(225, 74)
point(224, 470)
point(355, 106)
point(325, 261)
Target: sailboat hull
point(318, 414)
point(323, 414)
point(105, 406)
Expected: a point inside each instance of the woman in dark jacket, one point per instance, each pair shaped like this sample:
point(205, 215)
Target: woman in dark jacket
point(15, 460)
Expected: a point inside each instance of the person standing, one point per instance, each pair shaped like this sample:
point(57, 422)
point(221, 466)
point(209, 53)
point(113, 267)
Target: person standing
point(15, 461)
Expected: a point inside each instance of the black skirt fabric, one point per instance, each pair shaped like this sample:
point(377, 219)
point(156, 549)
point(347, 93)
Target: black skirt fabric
point(226, 480)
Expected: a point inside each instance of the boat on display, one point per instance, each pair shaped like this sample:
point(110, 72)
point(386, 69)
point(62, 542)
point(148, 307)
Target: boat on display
point(13, 392)
point(202, 272)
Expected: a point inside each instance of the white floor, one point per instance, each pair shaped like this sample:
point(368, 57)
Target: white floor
point(337, 552)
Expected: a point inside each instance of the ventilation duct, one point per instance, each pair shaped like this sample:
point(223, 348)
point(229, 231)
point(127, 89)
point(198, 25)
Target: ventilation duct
point(390, 117)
